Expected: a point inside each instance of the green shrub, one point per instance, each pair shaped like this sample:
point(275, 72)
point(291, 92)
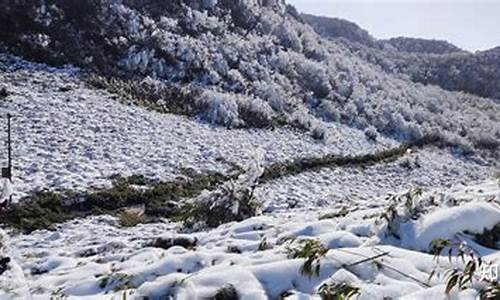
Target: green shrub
point(337, 291)
point(39, 210)
point(466, 277)
point(45, 209)
point(402, 208)
point(229, 203)
point(312, 251)
point(131, 218)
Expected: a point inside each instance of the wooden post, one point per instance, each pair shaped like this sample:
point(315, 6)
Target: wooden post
point(8, 172)
point(9, 147)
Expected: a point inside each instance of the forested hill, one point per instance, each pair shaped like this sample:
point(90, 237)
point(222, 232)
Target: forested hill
point(258, 64)
point(434, 62)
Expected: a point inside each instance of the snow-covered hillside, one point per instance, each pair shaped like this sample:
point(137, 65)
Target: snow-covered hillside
point(426, 61)
point(70, 136)
point(224, 150)
point(248, 64)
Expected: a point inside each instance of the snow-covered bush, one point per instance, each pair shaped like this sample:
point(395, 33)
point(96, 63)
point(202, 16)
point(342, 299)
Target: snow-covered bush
point(272, 94)
point(486, 141)
point(233, 110)
point(256, 53)
point(319, 133)
point(371, 133)
point(150, 93)
point(314, 77)
point(288, 37)
point(232, 201)
point(328, 111)
point(301, 119)
point(312, 47)
point(255, 112)
point(334, 290)
point(220, 108)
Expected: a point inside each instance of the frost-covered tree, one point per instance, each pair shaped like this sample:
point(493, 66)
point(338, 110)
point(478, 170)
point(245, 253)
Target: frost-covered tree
point(257, 63)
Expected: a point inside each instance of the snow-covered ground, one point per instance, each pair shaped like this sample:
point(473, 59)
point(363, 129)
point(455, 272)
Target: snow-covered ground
point(77, 138)
point(96, 259)
point(426, 168)
point(69, 136)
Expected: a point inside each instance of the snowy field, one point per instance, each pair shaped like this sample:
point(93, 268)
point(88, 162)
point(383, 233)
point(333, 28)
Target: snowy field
point(96, 259)
point(428, 168)
point(69, 136)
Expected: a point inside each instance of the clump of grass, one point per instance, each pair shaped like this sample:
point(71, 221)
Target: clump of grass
point(131, 218)
point(337, 291)
point(264, 245)
point(167, 243)
point(463, 278)
point(115, 281)
point(46, 209)
point(344, 211)
point(233, 249)
point(313, 251)
point(402, 208)
point(490, 292)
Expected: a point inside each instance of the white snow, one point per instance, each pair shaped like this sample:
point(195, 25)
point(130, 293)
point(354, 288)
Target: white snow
point(6, 188)
point(446, 222)
point(76, 139)
point(83, 254)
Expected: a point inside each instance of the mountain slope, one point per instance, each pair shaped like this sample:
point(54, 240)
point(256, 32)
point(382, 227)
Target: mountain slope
point(425, 61)
point(223, 149)
point(339, 28)
point(245, 65)
point(414, 45)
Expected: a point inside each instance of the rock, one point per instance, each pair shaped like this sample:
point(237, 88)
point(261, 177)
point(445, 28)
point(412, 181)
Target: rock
point(169, 242)
point(3, 93)
point(4, 264)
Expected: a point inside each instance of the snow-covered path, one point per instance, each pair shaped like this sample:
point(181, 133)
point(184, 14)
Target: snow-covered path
point(428, 168)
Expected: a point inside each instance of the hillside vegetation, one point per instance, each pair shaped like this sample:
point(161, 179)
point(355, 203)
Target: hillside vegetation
point(244, 64)
point(224, 149)
point(424, 61)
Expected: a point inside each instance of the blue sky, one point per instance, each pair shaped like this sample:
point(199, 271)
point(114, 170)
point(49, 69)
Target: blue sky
point(471, 25)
